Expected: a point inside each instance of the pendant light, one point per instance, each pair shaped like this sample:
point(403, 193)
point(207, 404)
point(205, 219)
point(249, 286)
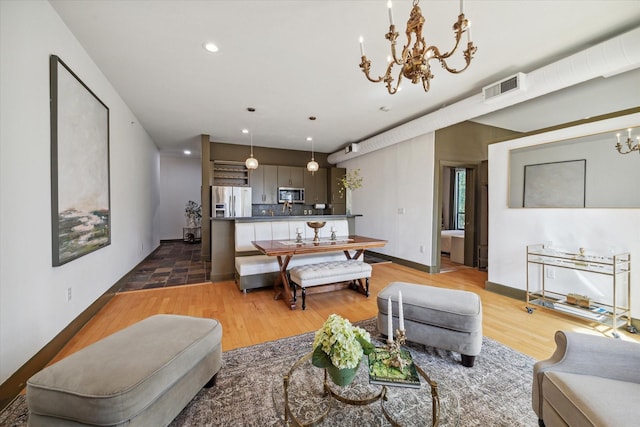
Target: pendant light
point(251, 162)
point(312, 166)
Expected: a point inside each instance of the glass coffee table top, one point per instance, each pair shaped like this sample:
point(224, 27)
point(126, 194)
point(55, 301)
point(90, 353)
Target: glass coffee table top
point(303, 402)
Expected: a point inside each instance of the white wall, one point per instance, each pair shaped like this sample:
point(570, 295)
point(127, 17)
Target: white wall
point(598, 230)
point(180, 181)
point(33, 306)
point(397, 179)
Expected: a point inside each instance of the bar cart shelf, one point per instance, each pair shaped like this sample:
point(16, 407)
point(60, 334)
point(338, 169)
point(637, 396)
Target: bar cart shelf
point(541, 260)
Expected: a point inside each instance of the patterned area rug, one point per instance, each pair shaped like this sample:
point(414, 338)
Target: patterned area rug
point(495, 392)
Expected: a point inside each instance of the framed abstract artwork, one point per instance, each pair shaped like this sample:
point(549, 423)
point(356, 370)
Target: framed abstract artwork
point(555, 184)
point(80, 191)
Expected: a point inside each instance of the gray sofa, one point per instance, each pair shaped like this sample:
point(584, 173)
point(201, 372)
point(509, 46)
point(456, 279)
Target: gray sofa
point(588, 381)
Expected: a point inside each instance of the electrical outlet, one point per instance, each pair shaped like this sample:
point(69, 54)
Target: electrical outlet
point(400, 211)
point(68, 294)
point(421, 249)
point(551, 272)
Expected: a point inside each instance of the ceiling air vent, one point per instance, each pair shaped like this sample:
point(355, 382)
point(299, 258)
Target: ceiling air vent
point(351, 148)
point(510, 85)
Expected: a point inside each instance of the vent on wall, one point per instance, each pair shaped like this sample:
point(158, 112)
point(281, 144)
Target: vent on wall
point(510, 85)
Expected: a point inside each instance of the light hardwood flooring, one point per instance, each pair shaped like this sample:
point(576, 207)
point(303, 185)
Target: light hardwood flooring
point(256, 317)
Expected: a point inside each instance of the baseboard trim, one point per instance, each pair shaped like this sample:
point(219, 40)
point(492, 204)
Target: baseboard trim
point(401, 261)
point(521, 295)
point(14, 385)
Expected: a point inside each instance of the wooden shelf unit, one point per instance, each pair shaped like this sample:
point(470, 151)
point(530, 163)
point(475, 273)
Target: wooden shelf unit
point(229, 173)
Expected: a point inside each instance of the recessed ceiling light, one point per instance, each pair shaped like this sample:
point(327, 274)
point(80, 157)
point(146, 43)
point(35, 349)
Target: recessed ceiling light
point(309, 139)
point(245, 130)
point(210, 47)
point(187, 152)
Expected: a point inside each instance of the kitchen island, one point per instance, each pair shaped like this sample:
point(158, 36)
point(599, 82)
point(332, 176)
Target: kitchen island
point(223, 238)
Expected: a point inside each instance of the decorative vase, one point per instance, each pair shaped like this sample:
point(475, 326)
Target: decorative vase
point(342, 377)
point(347, 200)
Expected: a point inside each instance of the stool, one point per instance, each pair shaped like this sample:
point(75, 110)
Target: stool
point(143, 375)
point(443, 318)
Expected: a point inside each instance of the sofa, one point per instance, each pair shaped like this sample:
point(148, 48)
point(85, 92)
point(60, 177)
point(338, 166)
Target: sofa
point(588, 381)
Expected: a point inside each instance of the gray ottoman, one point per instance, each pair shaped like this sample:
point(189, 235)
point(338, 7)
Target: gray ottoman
point(143, 375)
point(443, 318)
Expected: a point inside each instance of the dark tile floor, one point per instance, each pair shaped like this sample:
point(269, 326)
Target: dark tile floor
point(173, 263)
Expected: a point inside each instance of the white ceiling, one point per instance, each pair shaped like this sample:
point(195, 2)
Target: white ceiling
point(295, 59)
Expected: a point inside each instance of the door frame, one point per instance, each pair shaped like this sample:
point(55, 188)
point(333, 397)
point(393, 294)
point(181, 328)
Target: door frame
point(471, 200)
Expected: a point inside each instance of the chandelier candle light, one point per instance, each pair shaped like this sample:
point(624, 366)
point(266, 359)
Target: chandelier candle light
point(414, 60)
point(630, 147)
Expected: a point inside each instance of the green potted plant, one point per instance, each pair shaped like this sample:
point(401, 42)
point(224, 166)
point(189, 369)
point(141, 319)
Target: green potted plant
point(339, 347)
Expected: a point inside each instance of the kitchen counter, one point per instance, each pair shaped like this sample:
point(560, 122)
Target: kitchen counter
point(285, 218)
point(223, 238)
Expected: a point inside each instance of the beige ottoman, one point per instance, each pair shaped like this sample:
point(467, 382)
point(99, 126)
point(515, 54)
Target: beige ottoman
point(143, 375)
point(436, 317)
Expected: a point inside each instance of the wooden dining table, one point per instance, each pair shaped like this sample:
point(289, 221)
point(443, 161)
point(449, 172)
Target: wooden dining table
point(284, 250)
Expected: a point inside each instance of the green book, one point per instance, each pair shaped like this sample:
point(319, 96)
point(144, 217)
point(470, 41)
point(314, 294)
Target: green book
point(381, 372)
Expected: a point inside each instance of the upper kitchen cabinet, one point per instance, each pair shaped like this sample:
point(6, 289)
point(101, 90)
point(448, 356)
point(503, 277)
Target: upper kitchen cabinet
point(335, 174)
point(291, 176)
point(264, 185)
point(228, 173)
point(315, 186)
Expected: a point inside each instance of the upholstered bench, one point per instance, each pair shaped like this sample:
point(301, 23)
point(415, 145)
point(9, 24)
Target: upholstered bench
point(443, 318)
point(324, 273)
point(143, 375)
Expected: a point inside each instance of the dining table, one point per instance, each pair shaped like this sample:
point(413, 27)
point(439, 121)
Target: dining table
point(284, 250)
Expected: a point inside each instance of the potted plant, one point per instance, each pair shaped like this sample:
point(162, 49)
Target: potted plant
point(339, 347)
point(349, 182)
point(193, 213)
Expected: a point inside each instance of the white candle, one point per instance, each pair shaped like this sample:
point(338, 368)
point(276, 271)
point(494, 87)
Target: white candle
point(389, 320)
point(333, 229)
point(400, 312)
point(361, 46)
point(618, 136)
point(390, 13)
point(298, 230)
point(629, 131)
point(461, 12)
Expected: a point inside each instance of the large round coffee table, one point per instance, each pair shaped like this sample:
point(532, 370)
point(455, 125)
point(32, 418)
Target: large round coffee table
point(306, 397)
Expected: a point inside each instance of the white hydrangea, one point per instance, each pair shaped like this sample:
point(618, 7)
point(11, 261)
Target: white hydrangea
point(338, 339)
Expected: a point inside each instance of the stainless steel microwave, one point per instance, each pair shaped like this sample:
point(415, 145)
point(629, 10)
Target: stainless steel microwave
point(291, 195)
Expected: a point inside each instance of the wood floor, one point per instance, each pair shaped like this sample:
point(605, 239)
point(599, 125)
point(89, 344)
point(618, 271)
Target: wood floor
point(256, 317)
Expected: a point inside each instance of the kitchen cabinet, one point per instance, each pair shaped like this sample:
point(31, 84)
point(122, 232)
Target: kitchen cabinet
point(315, 186)
point(264, 184)
point(334, 186)
point(291, 176)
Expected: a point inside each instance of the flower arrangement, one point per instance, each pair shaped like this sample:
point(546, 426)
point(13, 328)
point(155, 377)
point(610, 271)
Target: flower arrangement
point(350, 181)
point(193, 213)
point(340, 344)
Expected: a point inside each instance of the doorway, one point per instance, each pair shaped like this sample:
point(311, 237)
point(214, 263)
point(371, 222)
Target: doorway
point(458, 207)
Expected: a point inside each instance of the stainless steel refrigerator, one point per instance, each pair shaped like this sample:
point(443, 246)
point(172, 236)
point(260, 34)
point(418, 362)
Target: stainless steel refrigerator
point(231, 201)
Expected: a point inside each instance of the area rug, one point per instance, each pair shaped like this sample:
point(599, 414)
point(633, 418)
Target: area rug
point(495, 392)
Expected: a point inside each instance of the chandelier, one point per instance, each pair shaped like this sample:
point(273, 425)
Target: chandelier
point(629, 145)
point(414, 60)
